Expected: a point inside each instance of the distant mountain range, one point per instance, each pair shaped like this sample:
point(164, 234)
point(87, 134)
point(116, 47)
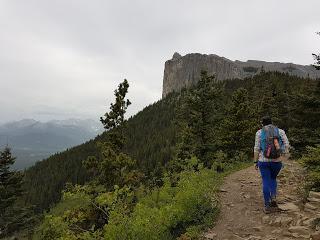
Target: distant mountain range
point(32, 140)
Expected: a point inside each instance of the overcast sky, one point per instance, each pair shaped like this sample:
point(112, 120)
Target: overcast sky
point(62, 59)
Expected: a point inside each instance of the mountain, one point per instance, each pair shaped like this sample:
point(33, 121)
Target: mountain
point(33, 140)
point(184, 71)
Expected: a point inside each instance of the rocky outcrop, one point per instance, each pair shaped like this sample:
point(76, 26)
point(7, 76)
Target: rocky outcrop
point(184, 71)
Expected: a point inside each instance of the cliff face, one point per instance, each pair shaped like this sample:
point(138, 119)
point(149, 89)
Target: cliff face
point(184, 71)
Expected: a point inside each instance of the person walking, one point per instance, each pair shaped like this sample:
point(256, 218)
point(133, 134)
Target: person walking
point(271, 144)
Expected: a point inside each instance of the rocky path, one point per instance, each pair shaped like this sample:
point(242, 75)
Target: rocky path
point(242, 216)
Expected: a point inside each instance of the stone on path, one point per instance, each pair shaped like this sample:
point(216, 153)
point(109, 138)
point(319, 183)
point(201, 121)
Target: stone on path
point(257, 228)
point(314, 194)
point(301, 230)
point(313, 200)
point(281, 221)
point(289, 207)
point(210, 235)
point(310, 206)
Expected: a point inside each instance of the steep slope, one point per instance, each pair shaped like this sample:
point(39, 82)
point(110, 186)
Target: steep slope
point(150, 137)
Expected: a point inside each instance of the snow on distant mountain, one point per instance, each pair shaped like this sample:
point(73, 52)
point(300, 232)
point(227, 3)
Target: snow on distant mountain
point(33, 140)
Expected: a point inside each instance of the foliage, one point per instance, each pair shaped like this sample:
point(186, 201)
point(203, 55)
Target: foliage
point(12, 214)
point(170, 212)
point(152, 136)
point(10, 181)
point(305, 130)
point(311, 161)
point(237, 129)
point(83, 211)
point(112, 166)
point(198, 115)
point(167, 212)
point(115, 118)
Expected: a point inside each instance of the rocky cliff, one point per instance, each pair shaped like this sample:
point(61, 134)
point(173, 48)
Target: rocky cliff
point(184, 71)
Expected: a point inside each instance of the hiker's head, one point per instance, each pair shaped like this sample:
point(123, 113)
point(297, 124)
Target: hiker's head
point(266, 120)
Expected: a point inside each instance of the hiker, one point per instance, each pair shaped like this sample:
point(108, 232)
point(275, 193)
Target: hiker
point(271, 144)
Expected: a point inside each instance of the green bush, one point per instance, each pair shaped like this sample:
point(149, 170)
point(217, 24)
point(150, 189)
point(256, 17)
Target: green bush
point(72, 218)
point(182, 209)
point(311, 161)
point(168, 212)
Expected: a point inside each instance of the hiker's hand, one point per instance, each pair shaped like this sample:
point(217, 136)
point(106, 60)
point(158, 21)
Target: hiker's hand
point(256, 166)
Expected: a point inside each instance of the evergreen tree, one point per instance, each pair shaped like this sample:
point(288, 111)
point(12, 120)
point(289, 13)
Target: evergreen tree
point(10, 189)
point(115, 118)
point(305, 118)
point(199, 114)
point(238, 127)
point(113, 166)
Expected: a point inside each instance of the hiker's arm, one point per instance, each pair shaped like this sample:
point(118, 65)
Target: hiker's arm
point(286, 143)
point(256, 148)
point(255, 160)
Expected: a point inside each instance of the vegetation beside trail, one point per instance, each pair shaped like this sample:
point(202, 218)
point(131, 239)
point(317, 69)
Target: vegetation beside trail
point(154, 176)
point(311, 161)
point(166, 212)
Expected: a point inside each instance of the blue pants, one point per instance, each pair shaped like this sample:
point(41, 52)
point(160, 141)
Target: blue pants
point(269, 172)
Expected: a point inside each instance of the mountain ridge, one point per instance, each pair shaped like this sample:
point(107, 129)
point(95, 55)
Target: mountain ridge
point(184, 71)
point(33, 140)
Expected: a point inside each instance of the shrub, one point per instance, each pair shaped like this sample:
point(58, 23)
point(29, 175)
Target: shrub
point(311, 161)
point(168, 212)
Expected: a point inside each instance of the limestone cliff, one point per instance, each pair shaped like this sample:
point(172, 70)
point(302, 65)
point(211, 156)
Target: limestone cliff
point(184, 71)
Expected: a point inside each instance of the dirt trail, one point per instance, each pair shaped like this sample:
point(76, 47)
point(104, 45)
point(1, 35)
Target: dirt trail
point(242, 215)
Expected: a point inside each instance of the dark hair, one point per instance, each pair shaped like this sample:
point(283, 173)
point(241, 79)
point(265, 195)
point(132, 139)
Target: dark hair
point(266, 120)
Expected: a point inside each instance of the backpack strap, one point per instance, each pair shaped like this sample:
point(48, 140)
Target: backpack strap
point(282, 147)
point(262, 139)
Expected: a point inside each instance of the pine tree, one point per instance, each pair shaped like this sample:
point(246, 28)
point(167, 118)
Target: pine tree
point(239, 125)
point(199, 114)
point(305, 118)
point(115, 117)
point(112, 166)
point(10, 189)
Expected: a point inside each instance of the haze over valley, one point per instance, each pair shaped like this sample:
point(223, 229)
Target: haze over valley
point(33, 140)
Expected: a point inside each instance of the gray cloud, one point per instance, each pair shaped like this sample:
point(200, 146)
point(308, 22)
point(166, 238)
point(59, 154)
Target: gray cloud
point(65, 58)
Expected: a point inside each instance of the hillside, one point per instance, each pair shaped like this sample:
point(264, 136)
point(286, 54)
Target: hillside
point(151, 134)
point(150, 140)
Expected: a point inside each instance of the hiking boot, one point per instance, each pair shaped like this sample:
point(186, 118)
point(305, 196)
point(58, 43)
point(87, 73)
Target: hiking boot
point(273, 203)
point(267, 210)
